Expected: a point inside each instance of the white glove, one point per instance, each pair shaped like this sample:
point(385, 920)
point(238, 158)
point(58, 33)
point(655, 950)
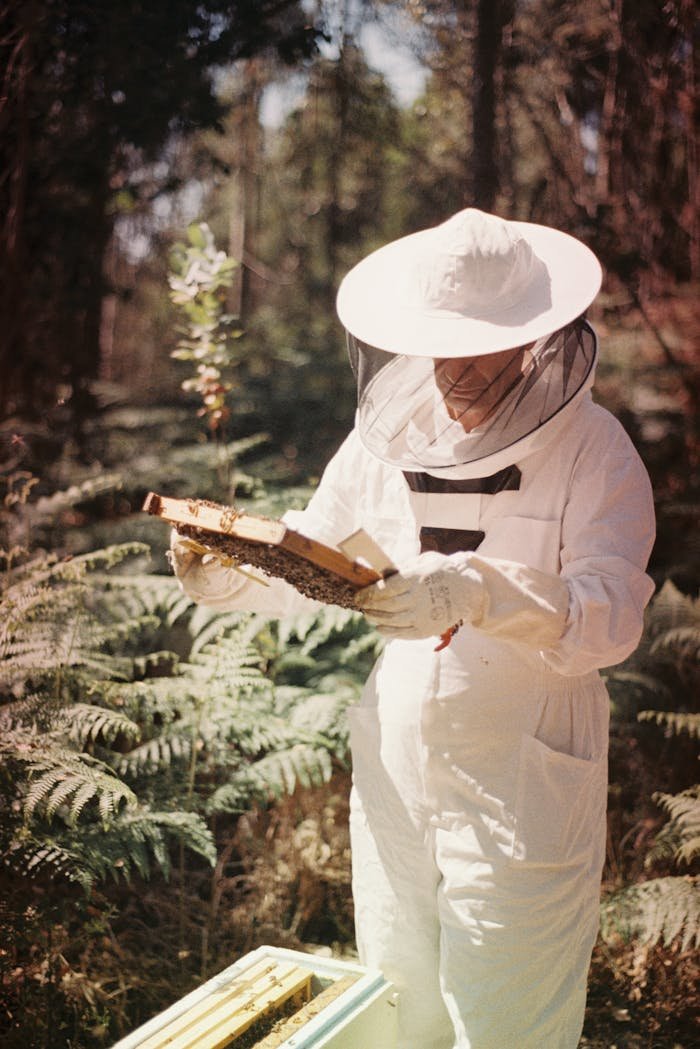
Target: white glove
point(201, 574)
point(434, 593)
point(427, 597)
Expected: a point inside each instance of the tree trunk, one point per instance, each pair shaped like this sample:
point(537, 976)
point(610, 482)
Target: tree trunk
point(487, 53)
point(15, 129)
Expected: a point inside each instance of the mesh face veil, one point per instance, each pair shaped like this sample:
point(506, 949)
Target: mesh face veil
point(432, 414)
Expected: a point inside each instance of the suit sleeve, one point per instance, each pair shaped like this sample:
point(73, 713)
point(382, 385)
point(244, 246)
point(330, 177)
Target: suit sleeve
point(607, 536)
point(591, 615)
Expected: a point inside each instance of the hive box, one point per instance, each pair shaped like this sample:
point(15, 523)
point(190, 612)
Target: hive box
point(330, 1004)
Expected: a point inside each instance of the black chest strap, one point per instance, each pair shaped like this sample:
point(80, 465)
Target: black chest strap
point(506, 480)
point(452, 540)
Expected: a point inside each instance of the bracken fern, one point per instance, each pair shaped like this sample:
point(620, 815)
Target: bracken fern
point(666, 670)
point(60, 787)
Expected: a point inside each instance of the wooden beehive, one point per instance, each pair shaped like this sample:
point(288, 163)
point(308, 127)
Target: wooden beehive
point(278, 999)
point(318, 571)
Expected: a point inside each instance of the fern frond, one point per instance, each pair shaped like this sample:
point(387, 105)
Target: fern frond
point(31, 857)
point(85, 723)
point(104, 559)
point(129, 842)
point(675, 721)
point(331, 624)
point(320, 627)
point(231, 659)
point(256, 728)
point(294, 627)
point(684, 813)
point(44, 627)
point(207, 625)
point(682, 643)
point(671, 608)
point(295, 666)
point(366, 646)
point(272, 776)
point(140, 594)
point(282, 771)
point(188, 828)
point(49, 506)
point(662, 909)
point(63, 778)
point(27, 711)
point(156, 754)
point(234, 797)
point(125, 846)
point(323, 713)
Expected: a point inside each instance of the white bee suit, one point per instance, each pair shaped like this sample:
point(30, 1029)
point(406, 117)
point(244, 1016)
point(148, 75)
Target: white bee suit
point(478, 804)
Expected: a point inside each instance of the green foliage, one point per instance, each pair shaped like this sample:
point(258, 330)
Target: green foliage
point(61, 639)
point(199, 277)
point(135, 732)
point(683, 828)
point(664, 670)
point(326, 191)
point(675, 722)
point(73, 169)
point(230, 722)
point(661, 909)
point(109, 735)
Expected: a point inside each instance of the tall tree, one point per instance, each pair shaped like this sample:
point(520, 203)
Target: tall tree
point(327, 198)
point(614, 104)
point(492, 16)
point(91, 89)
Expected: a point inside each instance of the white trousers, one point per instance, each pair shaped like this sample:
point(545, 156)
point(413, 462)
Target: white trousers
point(478, 830)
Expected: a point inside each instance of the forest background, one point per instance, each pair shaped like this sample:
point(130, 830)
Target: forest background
point(173, 783)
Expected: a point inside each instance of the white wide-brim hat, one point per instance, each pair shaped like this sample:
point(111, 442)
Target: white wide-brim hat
point(474, 284)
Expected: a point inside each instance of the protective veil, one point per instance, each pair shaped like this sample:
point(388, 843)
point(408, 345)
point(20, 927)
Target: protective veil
point(451, 416)
point(479, 769)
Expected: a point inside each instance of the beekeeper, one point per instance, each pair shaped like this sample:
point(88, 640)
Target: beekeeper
point(520, 519)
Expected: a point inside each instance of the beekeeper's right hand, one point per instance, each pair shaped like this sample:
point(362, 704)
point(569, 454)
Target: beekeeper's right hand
point(201, 574)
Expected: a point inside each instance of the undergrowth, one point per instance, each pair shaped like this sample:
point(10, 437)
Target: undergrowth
point(140, 741)
point(174, 785)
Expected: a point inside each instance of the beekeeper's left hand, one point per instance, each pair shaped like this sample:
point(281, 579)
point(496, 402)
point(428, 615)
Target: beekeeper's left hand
point(425, 598)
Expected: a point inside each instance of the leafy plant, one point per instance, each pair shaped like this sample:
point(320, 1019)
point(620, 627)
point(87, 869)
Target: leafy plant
point(665, 667)
point(69, 805)
point(135, 732)
point(199, 277)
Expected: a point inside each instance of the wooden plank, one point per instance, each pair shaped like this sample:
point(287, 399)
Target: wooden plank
point(224, 520)
point(220, 1017)
point(234, 524)
point(255, 1007)
point(235, 988)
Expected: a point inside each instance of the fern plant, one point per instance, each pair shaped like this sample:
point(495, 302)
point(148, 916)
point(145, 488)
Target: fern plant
point(253, 713)
point(99, 743)
point(132, 722)
point(66, 803)
point(665, 669)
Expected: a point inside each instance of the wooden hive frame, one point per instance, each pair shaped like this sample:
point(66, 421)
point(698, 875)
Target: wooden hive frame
point(321, 572)
point(222, 1017)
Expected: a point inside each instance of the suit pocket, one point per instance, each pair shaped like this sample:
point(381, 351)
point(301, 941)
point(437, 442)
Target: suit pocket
point(559, 809)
